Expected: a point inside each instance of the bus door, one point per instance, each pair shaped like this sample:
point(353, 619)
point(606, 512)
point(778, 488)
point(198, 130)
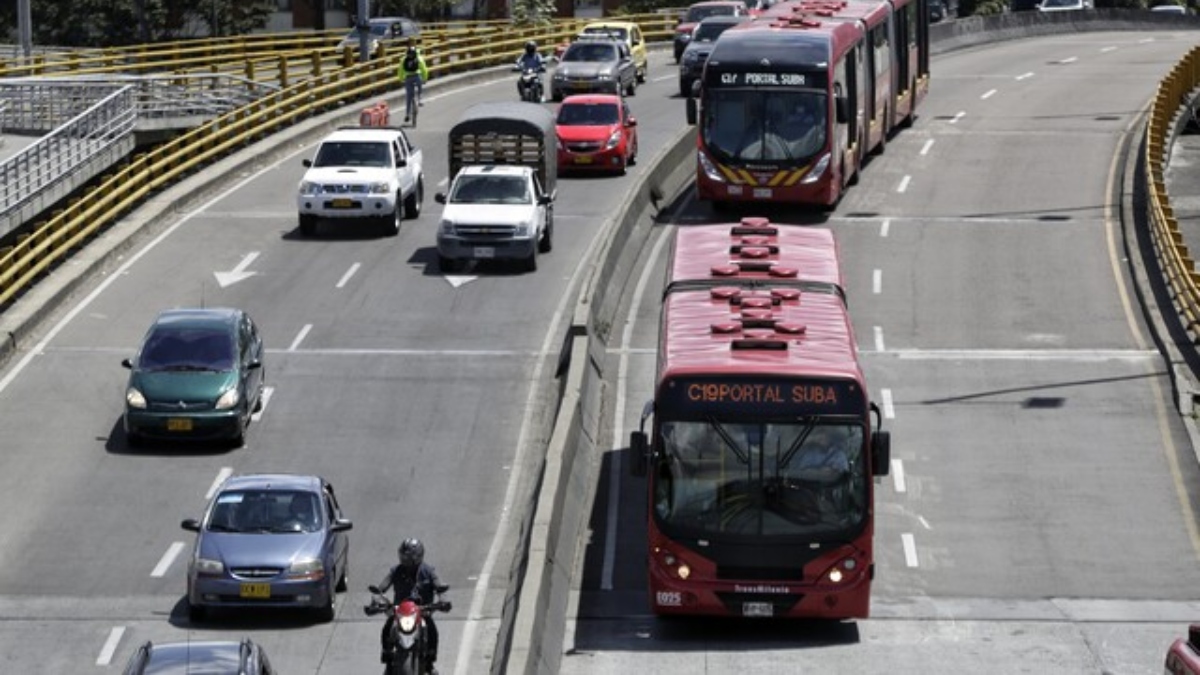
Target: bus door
point(848, 138)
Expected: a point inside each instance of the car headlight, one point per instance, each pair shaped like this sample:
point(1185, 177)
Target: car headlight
point(134, 399)
point(710, 170)
point(614, 140)
point(446, 227)
point(523, 229)
point(683, 37)
point(308, 187)
point(308, 570)
point(559, 77)
point(209, 568)
point(408, 622)
point(379, 188)
point(227, 400)
point(604, 77)
point(690, 57)
point(815, 173)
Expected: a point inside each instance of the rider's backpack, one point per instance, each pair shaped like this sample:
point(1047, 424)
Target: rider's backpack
point(410, 62)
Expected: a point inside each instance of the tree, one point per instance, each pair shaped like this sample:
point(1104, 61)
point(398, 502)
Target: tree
point(532, 12)
point(422, 10)
point(111, 23)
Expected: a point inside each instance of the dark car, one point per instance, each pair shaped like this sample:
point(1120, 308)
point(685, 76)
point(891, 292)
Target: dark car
point(937, 11)
point(594, 65)
point(691, 65)
point(698, 12)
point(197, 375)
point(207, 657)
point(596, 132)
point(385, 34)
point(269, 540)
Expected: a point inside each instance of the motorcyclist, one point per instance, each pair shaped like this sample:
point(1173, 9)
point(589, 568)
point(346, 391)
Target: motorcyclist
point(532, 60)
point(412, 580)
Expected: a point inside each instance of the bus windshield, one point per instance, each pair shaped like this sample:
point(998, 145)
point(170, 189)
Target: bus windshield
point(804, 477)
point(766, 125)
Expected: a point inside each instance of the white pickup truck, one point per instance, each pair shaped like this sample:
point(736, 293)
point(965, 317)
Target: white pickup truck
point(503, 167)
point(495, 212)
point(362, 174)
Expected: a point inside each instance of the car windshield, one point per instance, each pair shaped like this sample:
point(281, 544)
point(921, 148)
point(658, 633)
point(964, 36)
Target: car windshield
point(588, 114)
point(708, 32)
point(353, 153)
point(265, 511)
point(184, 349)
point(796, 478)
point(591, 52)
point(490, 190)
point(698, 14)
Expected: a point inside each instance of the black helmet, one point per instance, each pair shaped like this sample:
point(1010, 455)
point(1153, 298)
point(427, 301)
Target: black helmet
point(530, 47)
point(412, 552)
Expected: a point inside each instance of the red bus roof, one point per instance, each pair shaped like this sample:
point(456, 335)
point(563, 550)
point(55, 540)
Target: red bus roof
point(772, 307)
point(754, 252)
point(871, 12)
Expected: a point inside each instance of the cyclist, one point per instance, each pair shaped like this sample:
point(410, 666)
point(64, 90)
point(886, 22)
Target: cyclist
point(413, 73)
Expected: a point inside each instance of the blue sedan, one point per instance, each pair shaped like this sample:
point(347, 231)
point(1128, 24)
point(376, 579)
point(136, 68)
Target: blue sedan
point(269, 540)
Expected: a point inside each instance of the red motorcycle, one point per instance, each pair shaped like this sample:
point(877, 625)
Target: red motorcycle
point(410, 648)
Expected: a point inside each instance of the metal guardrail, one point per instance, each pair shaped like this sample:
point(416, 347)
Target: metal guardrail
point(89, 132)
point(1172, 103)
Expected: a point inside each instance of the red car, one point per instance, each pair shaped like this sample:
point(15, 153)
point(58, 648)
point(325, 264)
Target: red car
point(596, 132)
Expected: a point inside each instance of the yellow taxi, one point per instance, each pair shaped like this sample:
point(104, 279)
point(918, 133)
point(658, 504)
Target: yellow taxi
point(628, 32)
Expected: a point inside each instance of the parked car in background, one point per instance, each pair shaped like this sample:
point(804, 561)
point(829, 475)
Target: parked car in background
point(1169, 9)
point(198, 374)
point(198, 656)
point(594, 65)
point(385, 34)
point(596, 132)
point(625, 31)
point(937, 11)
point(269, 540)
point(699, 12)
point(691, 64)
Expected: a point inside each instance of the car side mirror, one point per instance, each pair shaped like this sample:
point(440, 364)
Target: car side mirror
point(254, 364)
point(545, 199)
point(191, 525)
point(631, 122)
point(341, 525)
point(440, 197)
point(638, 447)
point(127, 363)
point(307, 163)
point(401, 162)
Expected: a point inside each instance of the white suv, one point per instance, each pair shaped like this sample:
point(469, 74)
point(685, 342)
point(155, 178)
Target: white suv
point(362, 174)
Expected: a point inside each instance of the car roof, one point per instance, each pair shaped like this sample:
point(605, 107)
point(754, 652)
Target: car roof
point(727, 18)
point(273, 481)
point(364, 134)
point(718, 3)
point(592, 98)
point(195, 658)
point(498, 170)
point(198, 317)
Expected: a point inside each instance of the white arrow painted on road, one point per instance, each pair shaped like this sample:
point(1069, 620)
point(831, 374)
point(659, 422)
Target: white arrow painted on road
point(238, 273)
point(457, 281)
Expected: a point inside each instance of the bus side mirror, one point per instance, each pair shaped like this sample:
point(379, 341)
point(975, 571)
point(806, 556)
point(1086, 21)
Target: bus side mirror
point(690, 108)
point(839, 109)
point(881, 452)
point(638, 447)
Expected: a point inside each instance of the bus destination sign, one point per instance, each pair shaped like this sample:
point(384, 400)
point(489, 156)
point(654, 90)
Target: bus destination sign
point(760, 396)
point(767, 79)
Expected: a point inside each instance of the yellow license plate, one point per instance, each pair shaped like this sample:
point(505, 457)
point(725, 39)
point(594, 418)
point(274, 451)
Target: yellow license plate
point(179, 424)
point(584, 159)
point(256, 590)
point(343, 203)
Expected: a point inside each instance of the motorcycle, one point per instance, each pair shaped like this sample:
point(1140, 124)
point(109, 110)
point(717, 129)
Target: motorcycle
point(530, 84)
point(410, 651)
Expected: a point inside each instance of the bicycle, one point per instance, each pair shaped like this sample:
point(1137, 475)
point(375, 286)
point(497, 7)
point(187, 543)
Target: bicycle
point(412, 98)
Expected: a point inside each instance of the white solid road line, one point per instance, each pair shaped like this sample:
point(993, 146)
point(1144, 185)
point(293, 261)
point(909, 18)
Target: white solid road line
point(169, 557)
point(222, 475)
point(110, 646)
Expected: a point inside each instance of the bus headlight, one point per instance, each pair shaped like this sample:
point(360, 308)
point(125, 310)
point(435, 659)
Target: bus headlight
point(814, 174)
point(710, 169)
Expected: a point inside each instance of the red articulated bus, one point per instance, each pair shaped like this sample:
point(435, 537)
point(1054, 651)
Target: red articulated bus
point(790, 104)
point(1183, 658)
point(762, 452)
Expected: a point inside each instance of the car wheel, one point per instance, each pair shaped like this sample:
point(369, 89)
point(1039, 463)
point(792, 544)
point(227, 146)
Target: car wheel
point(412, 205)
point(531, 263)
point(391, 224)
point(326, 612)
point(623, 166)
point(632, 87)
point(196, 613)
point(342, 584)
point(308, 225)
point(633, 155)
point(685, 88)
point(643, 73)
point(239, 438)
